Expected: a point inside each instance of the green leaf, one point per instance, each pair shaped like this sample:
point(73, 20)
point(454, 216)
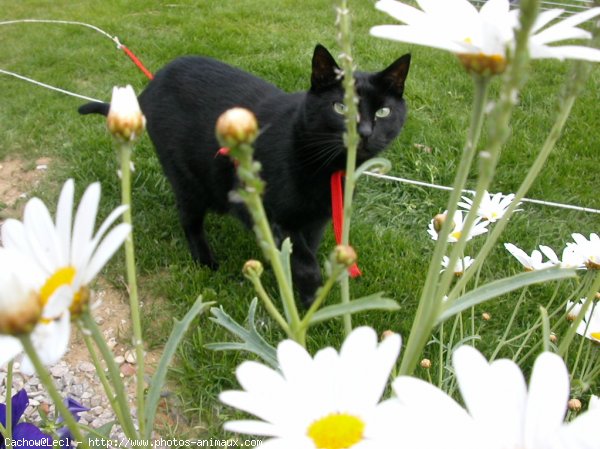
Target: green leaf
point(371, 302)
point(545, 329)
point(99, 437)
point(158, 379)
point(252, 341)
point(502, 286)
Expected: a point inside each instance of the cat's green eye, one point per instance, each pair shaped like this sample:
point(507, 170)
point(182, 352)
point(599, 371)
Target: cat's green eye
point(383, 113)
point(340, 108)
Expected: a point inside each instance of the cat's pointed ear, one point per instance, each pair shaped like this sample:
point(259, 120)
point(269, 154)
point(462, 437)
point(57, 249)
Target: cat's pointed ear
point(394, 76)
point(325, 71)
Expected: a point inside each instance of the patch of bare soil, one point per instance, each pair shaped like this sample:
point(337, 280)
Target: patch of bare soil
point(17, 179)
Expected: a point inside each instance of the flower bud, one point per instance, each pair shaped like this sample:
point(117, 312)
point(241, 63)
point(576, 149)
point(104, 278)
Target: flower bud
point(253, 268)
point(425, 363)
point(344, 255)
point(553, 337)
point(125, 120)
point(486, 316)
point(438, 222)
point(236, 126)
point(387, 333)
point(574, 405)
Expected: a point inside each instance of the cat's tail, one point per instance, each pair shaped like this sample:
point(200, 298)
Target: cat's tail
point(94, 107)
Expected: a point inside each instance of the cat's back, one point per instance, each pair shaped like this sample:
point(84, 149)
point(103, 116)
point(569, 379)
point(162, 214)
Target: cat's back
point(206, 83)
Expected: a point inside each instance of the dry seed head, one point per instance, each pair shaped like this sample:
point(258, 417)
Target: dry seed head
point(425, 363)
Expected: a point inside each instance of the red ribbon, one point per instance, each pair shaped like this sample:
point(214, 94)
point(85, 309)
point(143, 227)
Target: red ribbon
point(136, 61)
point(337, 214)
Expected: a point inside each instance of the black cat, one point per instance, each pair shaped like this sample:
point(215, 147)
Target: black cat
point(300, 145)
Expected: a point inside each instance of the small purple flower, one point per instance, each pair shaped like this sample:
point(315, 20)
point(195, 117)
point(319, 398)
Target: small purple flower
point(25, 435)
point(64, 434)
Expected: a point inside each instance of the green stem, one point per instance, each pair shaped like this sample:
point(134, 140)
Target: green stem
point(268, 303)
point(322, 293)
point(138, 343)
point(264, 234)
point(351, 138)
point(112, 398)
point(9, 410)
point(46, 380)
point(509, 325)
point(431, 297)
point(573, 87)
point(441, 357)
point(92, 329)
point(580, 349)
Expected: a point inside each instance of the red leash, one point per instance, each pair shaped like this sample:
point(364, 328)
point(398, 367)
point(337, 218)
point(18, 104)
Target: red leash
point(136, 61)
point(337, 214)
point(337, 194)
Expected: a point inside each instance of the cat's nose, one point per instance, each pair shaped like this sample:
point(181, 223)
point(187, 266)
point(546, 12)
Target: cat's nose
point(365, 129)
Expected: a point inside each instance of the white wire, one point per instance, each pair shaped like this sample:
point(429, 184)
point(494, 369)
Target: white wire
point(48, 86)
point(63, 22)
point(439, 187)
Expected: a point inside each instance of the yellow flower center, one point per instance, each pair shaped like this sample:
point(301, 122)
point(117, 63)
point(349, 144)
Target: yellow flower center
point(336, 431)
point(63, 276)
point(456, 235)
point(595, 335)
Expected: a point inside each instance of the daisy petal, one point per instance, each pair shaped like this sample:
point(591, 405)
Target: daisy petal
point(64, 212)
point(547, 400)
point(83, 226)
point(11, 347)
point(105, 251)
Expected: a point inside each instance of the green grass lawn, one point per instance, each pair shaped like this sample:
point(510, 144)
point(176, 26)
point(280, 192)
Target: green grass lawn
point(275, 40)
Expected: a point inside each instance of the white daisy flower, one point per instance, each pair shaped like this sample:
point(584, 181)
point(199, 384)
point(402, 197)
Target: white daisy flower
point(460, 266)
point(479, 227)
point(481, 38)
point(492, 207)
point(66, 251)
point(533, 262)
point(478, 37)
point(502, 412)
point(331, 400)
point(584, 251)
point(589, 327)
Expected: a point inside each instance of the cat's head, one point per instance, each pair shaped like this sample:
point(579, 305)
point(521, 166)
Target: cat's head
point(382, 109)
